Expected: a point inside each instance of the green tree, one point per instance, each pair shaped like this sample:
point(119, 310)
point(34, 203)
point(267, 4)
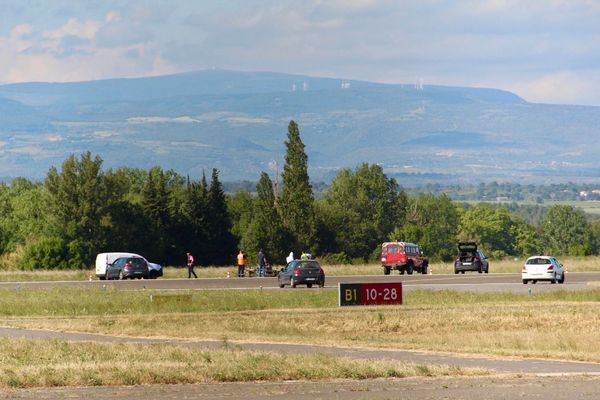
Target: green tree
point(490, 227)
point(432, 222)
point(566, 231)
point(527, 238)
point(22, 213)
point(220, 248)
point(297, 202)
point(363, 208)
point(266, 229)
point(79, 200)
point(192, 221)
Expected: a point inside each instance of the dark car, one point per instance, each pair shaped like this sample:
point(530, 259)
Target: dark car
point(301, 272)
point(128, 267)
point(470, 259)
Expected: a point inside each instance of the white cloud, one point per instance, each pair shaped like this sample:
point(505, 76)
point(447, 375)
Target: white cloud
point(562, 87)
point(533, 47)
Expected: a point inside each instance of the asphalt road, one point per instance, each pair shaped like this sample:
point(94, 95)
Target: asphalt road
point(466, 282)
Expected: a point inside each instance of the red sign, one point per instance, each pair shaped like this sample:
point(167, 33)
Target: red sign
point(354, 294)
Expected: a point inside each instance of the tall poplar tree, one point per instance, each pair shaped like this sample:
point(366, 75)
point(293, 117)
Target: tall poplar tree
point(297, 201)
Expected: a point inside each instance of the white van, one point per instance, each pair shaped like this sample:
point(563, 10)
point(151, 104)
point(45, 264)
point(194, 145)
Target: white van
point(103, 260)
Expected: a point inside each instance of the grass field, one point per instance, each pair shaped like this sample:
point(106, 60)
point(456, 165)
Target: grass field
point(494, 323)
point(545, 325)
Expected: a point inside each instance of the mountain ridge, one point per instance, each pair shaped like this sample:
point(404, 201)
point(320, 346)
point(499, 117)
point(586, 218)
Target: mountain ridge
point(237, 122)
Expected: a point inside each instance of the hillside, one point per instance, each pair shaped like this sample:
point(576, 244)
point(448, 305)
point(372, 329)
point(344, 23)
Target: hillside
point(237, 122)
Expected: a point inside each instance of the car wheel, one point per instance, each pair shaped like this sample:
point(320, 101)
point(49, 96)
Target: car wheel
point(480, 270)
point(462, 272)
point(533, 282)
point(322, 283)
point(121, 275)
point(524, 281)
point(281, 285)
point(562, 278)
point(455, 271)
point(487, 269)
point(387, 270)
point(409, 269)
point(309, 285)
point(424, 269)
point(292, 282)
point(401, 271)
point(553, 280)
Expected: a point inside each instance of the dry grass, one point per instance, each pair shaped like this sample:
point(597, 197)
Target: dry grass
point(28, 363)
point(548, 325)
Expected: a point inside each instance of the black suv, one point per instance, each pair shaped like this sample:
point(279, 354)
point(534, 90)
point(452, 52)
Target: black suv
point(470, 259)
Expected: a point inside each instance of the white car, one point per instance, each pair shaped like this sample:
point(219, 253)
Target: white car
point(104, 260)
point(542, 268)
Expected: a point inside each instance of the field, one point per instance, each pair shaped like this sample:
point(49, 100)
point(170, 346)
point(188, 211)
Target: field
point(490, 324)
point(500, 324)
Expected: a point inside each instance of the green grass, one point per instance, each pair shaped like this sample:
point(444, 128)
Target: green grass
point(90, 302)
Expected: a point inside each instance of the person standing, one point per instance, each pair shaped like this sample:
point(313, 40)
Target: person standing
point(262, 262)
point(241, 262)
point(190, 265)
point(289, 258)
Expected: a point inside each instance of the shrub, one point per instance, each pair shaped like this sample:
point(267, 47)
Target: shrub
point(49, 253)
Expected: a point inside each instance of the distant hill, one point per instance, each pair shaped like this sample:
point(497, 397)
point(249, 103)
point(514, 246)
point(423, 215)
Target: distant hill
point(237, 122)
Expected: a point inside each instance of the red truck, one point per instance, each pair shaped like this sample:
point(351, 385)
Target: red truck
point(404, 257)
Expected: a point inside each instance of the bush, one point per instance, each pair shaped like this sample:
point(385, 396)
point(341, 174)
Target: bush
point(49, 253)
point(340, 258)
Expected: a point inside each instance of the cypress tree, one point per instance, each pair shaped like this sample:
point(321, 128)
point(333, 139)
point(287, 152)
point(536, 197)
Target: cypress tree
point(297, 201)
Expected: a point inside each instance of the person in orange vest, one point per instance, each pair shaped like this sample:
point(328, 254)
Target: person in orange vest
point(190, 265)
point(241, 262)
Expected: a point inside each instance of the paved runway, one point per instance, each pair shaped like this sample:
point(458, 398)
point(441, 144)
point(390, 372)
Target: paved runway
point(466, 282)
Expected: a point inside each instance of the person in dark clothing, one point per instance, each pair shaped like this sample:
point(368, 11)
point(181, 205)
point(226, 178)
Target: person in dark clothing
point(190, 265)
point(262, 263)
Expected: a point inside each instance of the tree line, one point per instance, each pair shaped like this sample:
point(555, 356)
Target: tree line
point(80, 210)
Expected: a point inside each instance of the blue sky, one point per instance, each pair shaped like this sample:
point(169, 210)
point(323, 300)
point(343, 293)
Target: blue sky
point(546, 51)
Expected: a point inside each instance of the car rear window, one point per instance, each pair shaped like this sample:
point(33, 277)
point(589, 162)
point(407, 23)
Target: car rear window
point(538, 261)
point(309, 265)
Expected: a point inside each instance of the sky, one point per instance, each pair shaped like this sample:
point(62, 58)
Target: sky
point(546, 51)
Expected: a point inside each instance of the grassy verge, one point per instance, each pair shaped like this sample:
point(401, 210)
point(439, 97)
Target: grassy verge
point(491, 324)
point(56, 363)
